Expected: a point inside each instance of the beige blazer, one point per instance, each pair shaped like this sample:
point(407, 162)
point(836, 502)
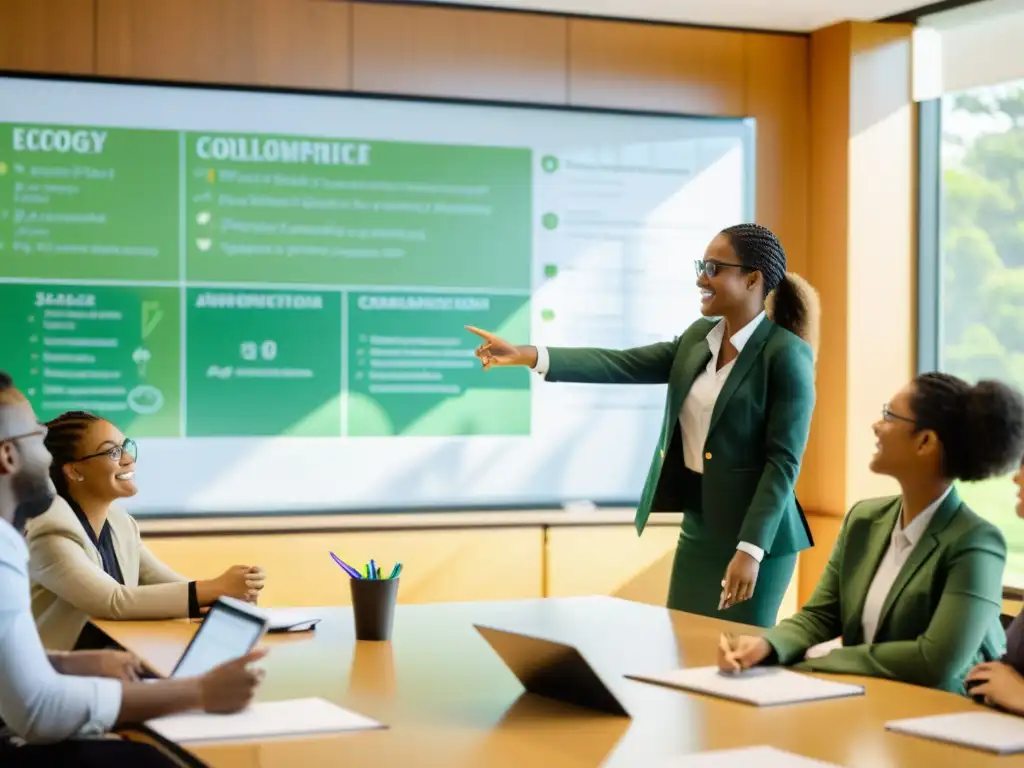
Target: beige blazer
point(69, 585)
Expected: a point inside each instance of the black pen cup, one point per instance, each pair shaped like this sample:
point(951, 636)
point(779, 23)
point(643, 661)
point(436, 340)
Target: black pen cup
point(373, 606)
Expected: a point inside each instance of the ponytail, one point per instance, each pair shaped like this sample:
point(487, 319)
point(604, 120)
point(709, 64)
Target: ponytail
point(795, 306)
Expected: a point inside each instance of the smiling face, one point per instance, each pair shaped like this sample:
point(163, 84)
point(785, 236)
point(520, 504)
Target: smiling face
point(725, 283)
point(105, 470)
point(902, 448)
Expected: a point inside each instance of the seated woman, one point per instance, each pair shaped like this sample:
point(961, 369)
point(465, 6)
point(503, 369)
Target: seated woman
point(86, 557)
point(914, 583)
point(1001, 683)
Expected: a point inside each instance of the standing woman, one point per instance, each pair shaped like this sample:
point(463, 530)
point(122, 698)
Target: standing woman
point(738, 411)
point(86, 557)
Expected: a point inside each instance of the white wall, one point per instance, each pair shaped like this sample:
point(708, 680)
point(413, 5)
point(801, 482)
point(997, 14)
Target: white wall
point(980, 44)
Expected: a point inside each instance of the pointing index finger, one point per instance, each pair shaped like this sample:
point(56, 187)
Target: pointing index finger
point(485, 335)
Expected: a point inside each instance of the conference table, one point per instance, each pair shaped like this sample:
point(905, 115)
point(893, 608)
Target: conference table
point(448, 699)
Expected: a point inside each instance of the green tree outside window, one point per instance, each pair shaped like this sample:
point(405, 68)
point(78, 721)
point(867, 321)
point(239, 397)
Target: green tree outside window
point(982, 266)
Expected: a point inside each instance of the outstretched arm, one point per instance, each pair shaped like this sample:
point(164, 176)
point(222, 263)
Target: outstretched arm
point(587, 365)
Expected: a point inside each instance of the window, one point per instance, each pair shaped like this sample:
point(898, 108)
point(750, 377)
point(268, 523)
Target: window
point(980, 280)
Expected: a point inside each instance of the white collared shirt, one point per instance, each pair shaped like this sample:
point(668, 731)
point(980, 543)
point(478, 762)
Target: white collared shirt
point(901, 544)
point(37, 703)
point(695, 415)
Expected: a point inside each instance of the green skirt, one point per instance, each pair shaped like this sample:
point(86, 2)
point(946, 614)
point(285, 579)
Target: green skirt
point(699, 569)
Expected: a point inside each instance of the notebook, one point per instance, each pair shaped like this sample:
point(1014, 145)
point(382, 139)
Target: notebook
point(291, 620)
point(760, 686)
point(261, 721)
point(745, 757)
point(988, 731)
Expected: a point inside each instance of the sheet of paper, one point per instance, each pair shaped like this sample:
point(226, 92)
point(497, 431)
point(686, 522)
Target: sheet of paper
point(761, 686)
point(286, 618)
point(745, 757)
point(988, 731)
point(264, 720)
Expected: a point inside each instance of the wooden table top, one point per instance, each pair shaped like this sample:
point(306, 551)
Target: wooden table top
point(450, 701)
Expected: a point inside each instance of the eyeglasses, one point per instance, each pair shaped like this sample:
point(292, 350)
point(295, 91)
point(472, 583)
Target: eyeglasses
point(41, 432)
point(888, 415)
point(115, 453)
point(710, 268)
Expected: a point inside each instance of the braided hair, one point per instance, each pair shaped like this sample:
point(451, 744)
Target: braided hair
point(981, 427)
point(790, 301)
point(62, 439)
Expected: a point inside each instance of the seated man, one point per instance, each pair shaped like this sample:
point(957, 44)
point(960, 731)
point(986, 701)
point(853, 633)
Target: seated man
point(49, 703)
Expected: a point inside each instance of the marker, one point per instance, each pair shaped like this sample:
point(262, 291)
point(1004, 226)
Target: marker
point(374, 572)
point(395, 571)
point(346, 567)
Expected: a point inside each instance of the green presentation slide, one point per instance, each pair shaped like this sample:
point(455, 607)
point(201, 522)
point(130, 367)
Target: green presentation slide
point(413, 371)
point(112, 350)
point(89, 203)
point(213, 285)
point(263, 363)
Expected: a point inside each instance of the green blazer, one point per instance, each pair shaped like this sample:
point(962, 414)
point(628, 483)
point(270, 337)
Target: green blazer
point(941, 616)
point(758, 430)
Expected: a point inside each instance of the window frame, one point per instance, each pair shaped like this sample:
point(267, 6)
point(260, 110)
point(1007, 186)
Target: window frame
point(929, 235)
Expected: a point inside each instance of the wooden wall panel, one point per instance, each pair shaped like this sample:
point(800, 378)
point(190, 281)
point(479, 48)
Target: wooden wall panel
point(439, 566)
point(863, 230)
point(244, 42)
point(47, 36)
point(638, 570)
point(613, 560)
point(668, 69)
point(881, 345)
point(823, 479)
point(458, 53)
point(778, 95)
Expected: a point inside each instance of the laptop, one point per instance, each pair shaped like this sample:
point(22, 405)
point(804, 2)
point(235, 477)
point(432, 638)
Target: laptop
point(230, 629)
point(553, 670)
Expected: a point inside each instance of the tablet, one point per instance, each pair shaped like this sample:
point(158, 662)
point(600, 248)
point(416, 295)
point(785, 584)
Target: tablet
point(230, 629)
point(553, 670)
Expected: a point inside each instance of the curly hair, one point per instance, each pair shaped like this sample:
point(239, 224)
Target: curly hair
point(980, 426)
point(790, 301)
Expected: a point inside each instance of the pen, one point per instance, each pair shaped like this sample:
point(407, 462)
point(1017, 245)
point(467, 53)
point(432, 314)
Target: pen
point(346, 567)
point(374, 572)
point(727, 642)
point(395, 570)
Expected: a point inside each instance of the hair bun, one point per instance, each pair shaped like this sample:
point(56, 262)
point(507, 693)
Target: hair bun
point(994, 425)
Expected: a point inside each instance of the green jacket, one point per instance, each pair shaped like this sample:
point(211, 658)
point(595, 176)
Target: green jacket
point(758, 431)
point(941, 616)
